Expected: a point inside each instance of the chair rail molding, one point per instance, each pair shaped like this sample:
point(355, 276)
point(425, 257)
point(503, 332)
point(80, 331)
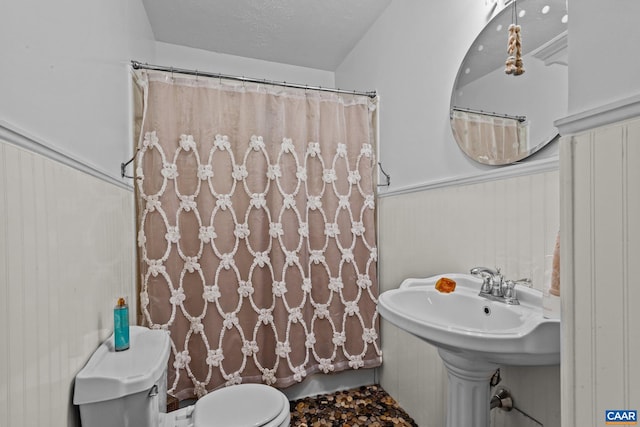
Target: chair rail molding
point(20, 138)
point(603, 115)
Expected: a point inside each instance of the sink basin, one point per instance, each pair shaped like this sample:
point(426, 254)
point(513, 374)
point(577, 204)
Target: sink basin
point(472, 326)
point(474, 336)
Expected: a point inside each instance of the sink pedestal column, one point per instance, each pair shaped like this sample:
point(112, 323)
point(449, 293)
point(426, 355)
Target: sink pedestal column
point(469, 392)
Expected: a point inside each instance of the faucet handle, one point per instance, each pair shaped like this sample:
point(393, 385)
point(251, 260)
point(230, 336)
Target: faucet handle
point(524, 282)
point(498, 277)
point(509, 292)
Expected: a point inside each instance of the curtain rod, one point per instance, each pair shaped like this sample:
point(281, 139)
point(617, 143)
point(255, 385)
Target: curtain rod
point(489, 113)
point(138, 65)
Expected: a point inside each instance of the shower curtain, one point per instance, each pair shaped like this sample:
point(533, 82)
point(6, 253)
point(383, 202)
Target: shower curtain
point(256, 230)
point(490, 139)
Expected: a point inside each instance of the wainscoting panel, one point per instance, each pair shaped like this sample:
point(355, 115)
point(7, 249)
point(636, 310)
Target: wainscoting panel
point(509, 223)
point(601, 223)
point(66, 254)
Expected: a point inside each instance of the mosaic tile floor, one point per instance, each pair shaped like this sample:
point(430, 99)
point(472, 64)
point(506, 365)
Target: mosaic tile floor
point(369, 406)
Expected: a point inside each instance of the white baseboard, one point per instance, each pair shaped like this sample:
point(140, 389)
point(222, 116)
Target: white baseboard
point(322, 384)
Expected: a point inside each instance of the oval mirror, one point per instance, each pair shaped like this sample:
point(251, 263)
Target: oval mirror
point(500, 118)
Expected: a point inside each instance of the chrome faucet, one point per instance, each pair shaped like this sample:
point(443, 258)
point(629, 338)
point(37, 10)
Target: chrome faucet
point(495, 288)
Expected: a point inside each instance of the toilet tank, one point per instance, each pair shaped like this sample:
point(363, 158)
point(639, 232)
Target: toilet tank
point(125, 388)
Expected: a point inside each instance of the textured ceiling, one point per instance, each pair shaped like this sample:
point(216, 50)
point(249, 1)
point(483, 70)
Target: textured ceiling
point(309, 33)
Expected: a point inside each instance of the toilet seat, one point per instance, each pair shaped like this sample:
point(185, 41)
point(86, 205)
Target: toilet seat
point(127, 388)
point(244, 405)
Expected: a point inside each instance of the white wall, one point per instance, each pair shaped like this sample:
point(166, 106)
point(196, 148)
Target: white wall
point(197, 59)
point(65, 77)
point(411, 57)
point(66, 254)
point(602, 39)
point(66, 238)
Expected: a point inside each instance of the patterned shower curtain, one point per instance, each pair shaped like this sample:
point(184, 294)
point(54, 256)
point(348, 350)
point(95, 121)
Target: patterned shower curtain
point(256, 230)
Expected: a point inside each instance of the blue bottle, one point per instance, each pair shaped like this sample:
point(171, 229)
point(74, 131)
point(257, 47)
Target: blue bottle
point(121, 325)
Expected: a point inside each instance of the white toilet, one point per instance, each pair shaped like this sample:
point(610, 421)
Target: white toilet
point(128, 389)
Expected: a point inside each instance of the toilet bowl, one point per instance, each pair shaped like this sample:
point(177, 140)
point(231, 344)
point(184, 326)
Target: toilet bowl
point(128, 389)
point(242, 405)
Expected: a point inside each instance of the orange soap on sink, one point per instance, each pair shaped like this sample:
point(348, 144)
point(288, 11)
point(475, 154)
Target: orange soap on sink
point(445, 285)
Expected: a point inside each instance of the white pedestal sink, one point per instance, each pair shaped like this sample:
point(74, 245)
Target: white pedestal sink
point(474, 336)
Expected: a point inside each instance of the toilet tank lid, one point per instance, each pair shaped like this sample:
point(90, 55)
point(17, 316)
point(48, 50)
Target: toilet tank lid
point(110, 374)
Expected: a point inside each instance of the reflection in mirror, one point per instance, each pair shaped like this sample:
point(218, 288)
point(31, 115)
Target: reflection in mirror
point(498, 118)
